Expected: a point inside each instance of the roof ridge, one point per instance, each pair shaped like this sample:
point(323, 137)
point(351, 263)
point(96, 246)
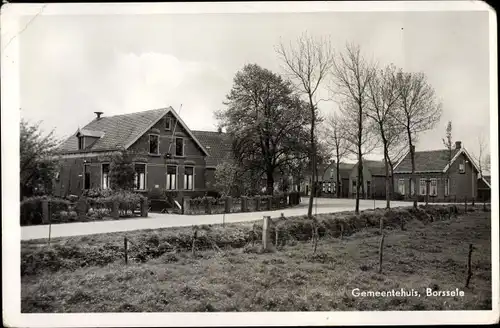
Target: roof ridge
point(140, 112)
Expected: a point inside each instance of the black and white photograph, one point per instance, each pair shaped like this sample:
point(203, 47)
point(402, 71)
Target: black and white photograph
point(260, 163)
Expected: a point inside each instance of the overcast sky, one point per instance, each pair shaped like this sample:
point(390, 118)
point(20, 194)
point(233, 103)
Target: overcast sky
point(71, 66)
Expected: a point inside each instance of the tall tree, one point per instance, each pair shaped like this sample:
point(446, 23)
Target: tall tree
point(418, 111)
point(266, 121)
point(483, 157)
point(335, 136)
point(352, 75)
point(448, 143)
point(383, 97)
point(38, 165)
point(308, 62)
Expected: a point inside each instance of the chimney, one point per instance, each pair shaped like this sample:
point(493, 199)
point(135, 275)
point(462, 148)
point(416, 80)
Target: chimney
point(98, 114)
point(458, 144)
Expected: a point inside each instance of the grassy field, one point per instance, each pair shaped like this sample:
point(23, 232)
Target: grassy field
point(432, 255)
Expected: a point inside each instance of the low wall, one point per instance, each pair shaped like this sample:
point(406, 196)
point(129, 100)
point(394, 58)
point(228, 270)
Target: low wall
point(211, 205)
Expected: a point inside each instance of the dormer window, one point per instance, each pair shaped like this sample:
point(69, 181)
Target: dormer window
point(81, 143)
point(168, 123)
point(154, 144)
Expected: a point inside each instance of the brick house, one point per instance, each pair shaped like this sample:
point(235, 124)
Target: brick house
point(172, 156)
point(327, 177)
point(431, 172)
point(373, 179)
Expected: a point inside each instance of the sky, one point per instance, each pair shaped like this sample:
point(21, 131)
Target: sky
point(71, 66)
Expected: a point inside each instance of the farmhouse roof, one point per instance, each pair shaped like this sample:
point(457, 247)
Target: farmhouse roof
point(218, 146)
point(120, 131)
point(431, 161)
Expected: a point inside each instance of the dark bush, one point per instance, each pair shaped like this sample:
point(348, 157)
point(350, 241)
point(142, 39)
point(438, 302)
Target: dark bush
point(97, 193)
point(31, 208)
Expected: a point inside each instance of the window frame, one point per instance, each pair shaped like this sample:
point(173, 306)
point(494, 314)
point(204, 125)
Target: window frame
point(175, 146)
point(446, 187)
point(186, 182)
point(461, 167)
point(85, 172)
point(167, 175)
point(401, 183)
point(422, 184)
point(81, 142)
point(108, 186)
point(433, 187)
point(157, 145)
point(137, 178)
point(169, 120)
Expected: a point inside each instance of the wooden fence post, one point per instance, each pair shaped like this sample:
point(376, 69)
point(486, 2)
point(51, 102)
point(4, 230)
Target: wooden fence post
point(244, 203)
point(45, 211)
point(125, 247)
point(380, 254)
point(186, 205)
point(469, 266)
point(265, 232)
point(114, 211)
point(193, 246)
point(381, 223)
point(257, 203)
point(228, 204)
point(402, 223)
point(144, 207)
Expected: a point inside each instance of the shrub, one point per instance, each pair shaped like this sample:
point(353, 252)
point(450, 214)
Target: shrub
point(97, 192)
point(31, 208)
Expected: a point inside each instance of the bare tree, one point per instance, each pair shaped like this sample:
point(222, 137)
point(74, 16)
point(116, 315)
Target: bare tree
point(352, 74)
point(483, 157)
point(448, 143)
point(308, 62)
point(335, 136)
point(383, 97)
point(417, 111)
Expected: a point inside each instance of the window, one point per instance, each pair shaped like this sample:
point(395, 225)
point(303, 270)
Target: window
point(401, 186)
point(412, 187)
point(433, 187)
point(80, 143)
point(105, 176)
point(423, 187)
point(447, 187)
point(461, 167)
point(86, 176)
point(179, 147)
point(168, 123)
point(171, 177)
point(154, 144)
point(140, 177)
point(188, 178)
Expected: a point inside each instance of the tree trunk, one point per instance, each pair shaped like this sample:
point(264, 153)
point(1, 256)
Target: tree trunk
point(387, 183)
point(337, 186)
point(360, 163)
point(391, 167)
point(269, 183)
point(412, 177)
point(313, 158)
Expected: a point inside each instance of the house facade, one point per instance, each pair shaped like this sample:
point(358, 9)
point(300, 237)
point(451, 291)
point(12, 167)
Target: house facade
point(434, 177)
point(373, 180)
point(171, 156)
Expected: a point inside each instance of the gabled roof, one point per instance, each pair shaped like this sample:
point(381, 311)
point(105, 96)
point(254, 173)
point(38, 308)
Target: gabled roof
point(121, 131)
point(218, 146)
point(487, 180)
point(377, 168)
point(426, 161)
